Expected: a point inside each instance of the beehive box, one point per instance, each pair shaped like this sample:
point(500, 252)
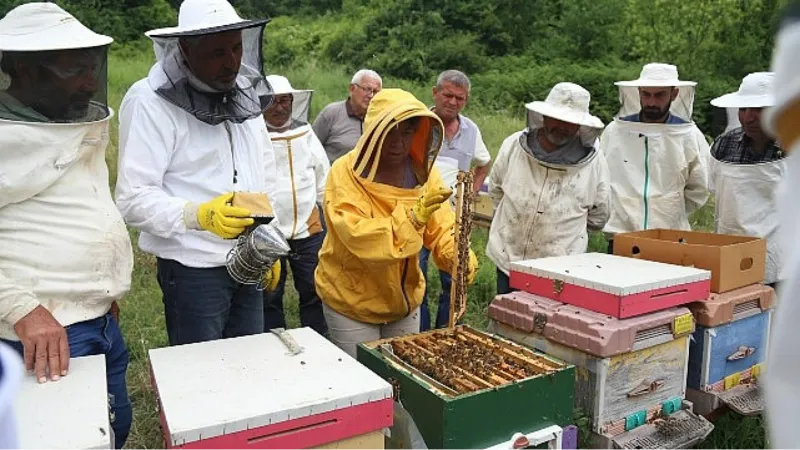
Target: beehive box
point(613, 285)
point(734, 261)
point(256, 392)
point(630, 372)
point(468, 389)
point(728, 350)
point(69, 413)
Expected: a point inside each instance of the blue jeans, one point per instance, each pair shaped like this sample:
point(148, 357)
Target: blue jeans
point(443, 312)
point(503, 285)
point(102, 336)
point(207, 304)
point(303, 263)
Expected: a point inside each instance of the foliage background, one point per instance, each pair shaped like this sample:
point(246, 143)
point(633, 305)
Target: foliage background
point(514, 52)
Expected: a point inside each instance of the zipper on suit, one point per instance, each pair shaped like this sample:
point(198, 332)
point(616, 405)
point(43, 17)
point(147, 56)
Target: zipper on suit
point(294, 188)
point(536, 215)
point(233, 154)
point(646, 181)
point(403, 287)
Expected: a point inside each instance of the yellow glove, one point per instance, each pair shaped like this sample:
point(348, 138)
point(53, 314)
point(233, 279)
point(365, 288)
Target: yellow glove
point(473, 267)
point(222, 219)
point(428, 203)
point(273, 276)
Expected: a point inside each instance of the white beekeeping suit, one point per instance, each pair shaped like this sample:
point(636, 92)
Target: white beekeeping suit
point(658, 170)
point(782, 383)
point(301, 163)
point(746, 193)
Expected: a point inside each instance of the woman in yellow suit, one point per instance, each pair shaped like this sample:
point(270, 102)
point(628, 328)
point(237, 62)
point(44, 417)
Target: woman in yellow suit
point(382, 204)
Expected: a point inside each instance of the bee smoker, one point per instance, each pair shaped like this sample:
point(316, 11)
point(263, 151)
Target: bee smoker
point(256, 250)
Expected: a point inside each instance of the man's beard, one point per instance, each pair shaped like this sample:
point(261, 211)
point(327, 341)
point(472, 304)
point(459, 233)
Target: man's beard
point(654, 113)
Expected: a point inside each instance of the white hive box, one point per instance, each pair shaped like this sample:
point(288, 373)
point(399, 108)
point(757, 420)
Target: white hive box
point(609, 284)
point(252, 392)
point(69, 413)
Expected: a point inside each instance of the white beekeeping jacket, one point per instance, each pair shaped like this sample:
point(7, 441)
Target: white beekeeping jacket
point(64, 243)
point(659, 173)
point(746, 204)
point(302, 168)
point(544, 209)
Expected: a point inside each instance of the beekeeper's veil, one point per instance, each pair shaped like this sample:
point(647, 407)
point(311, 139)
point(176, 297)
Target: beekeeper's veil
point(174, 80)
point(387, 109)
point(52, 68)
point(657, 75)
point(567, 102)
point(300, 102)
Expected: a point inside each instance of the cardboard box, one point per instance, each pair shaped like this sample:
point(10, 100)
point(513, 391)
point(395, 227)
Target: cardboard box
point(734, 261)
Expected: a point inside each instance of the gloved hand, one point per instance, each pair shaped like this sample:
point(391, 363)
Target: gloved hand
point(428, 203)
point(272, 277)
point(222, 219)
point(473, 267)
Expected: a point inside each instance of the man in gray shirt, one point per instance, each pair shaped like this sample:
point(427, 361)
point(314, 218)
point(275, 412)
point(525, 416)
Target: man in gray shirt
point(340, 124)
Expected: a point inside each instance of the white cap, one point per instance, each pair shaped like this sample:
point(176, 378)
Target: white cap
point(657, 75)
point(45, 26)
point(199, 17)
point(754, 92)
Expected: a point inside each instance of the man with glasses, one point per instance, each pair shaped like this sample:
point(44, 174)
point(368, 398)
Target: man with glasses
point(340, 124)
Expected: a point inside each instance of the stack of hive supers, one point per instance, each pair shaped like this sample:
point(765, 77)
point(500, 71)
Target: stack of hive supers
point(729, 345)
point(621, 322)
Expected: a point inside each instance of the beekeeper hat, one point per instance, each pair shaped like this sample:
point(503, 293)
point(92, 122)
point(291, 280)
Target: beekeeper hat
point(754, 92)
point(199, 17)
point(281, 85)
point(657, 75)
point(567, 102)
point(45, 26)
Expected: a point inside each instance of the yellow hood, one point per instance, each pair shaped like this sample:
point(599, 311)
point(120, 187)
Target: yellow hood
point(388, 108)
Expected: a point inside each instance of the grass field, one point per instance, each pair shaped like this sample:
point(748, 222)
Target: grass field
point(142, 317)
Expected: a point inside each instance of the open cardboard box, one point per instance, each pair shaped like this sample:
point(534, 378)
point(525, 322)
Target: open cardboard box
point(734, 261)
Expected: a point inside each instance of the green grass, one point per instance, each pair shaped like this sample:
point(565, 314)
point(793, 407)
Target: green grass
point(142, 317)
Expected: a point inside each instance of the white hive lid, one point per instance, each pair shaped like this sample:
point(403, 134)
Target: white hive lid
point(221, 387)
point(69, 413)
point(612, 274)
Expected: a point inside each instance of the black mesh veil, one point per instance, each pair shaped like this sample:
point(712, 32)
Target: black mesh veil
point(59, 86)
point(172, 79)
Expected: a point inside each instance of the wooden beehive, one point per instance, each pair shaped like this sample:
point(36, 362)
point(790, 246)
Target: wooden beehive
point(469, 389)
point(260, 392)
point(728, 350)
point(614, 285)
point(630, 372)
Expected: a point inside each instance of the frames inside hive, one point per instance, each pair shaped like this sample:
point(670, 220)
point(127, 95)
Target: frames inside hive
point(462, 360)
point(465, 198)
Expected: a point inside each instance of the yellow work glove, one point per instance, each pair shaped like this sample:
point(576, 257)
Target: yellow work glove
point(473, 267)
point(222, 219)
point(273, 276)
point(427, 204)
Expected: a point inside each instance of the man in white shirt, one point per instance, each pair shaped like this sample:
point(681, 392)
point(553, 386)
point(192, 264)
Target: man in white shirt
point(65, 257)
point(463, 150)
point(190, 135)
point(302, 167)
